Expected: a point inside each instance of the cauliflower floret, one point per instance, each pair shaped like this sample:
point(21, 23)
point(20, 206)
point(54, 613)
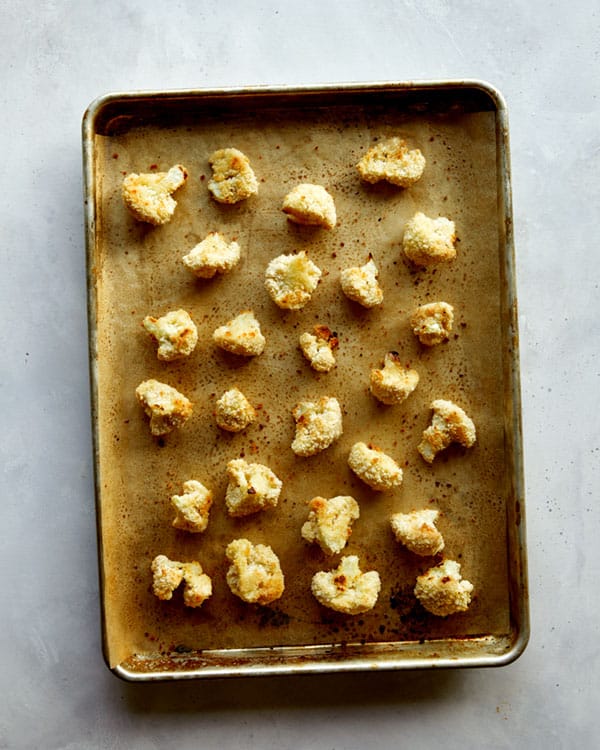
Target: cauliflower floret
point(255, 573)
point(417, 531)
point(168, 574)
point(252, 487)
point(391, 160)
point(148, 196)
point(374, 467)
point(429, 241)
point(241, 335)
point(330, 521)
point(290, 280)
point(192, 507)
point(211, 256)
point(360, 284)
point(318, 348)
point(310, 204)
point(318, 425)
point(233, 411)
point(175, 332)
point(449, 424)
point(442, 591)
point(393, 383)
point(233, 179)
point(347, 589)
point(166, 407)
point(432, 323)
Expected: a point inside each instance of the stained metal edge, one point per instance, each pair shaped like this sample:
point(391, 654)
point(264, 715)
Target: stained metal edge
point(519, 605)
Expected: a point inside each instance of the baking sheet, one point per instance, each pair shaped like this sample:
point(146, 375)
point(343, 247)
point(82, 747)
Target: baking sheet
point(136, 270)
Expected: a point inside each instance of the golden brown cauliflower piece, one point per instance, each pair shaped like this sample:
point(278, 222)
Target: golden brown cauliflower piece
point(442, 590)
point(449, 424)
point(168, 574)
point(318, 425)
point(255, 573)
point(233, 178)
point(251, 488)
point(393, 383)
point(211, 256)
point(291, 279)
point(318, 348)
point(192, 507)
point(374, 467)
point(427, 241)
point(148, 196)
point(393, 161)
point(310, 204)
point(233, 411)
point(417, 531)
point(330, 521)
point(347, 589)
point(241, 335)
point(175, 332)
point(432, 323)
point(360, 284)
point(166, 407)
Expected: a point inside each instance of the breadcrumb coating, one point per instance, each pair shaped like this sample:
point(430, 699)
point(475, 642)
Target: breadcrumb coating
point(166, 407)
point(417, 531)
point(310, 204)
point(374, 467)
point(330, 521)
point(393, 383)
point(148, 196)
point(233, 178)
point(427, 241)
point(393, 161)
point(251, 488)
point(241, 335)
point(432, 323)
point(291, 280)
point(318, 425)
point(175, 332)
point(192, 507)
point(319, 347)
point(347, 589)
point(449, 424)
point(442, 590)
point(233, 411)
point(168, 574)
point(255, 574)
point(211, 256)
point(360, 284)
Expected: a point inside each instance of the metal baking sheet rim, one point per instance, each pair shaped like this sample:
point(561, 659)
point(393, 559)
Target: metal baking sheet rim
point(484, 651)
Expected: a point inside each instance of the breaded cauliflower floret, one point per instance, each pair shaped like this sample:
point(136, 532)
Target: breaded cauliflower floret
point(347, 589)
point(449, 424)
point(360, 284)
point(192, 507)
point(432, 323)
point(148, 196)
point(310, 204)
point(168, 574)
point(233, 179)
point(255, 573)
point(291, 279)
point(166, 407)
point(211, 256)
point(393, 383)
point(417, 532)
point(318, 348)
point(175, 332)
point(374, 467)
point(442, 590)
point(330, 521)
point(427, 241)
point(241, 335)
point(252, 487)
point(233, 411)
point(318, 425)
point(391, 160)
